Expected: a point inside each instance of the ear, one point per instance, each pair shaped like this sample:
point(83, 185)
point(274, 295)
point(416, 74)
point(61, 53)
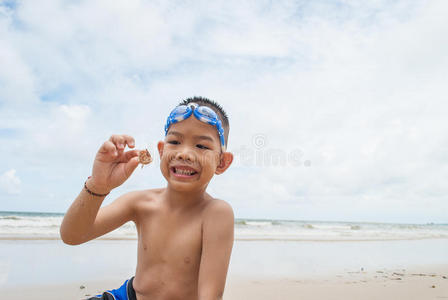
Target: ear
point(226, 161)
point(160, 146)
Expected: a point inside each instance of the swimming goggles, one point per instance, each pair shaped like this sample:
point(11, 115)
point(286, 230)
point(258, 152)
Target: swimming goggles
point(202, 113)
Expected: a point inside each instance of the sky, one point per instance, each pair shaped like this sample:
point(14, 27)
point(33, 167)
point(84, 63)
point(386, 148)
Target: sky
point(337, 109)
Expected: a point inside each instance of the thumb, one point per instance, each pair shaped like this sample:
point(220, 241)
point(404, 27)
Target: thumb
point(131, 165)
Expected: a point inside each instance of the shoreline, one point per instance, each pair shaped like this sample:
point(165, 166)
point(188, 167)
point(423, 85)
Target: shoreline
point(243, 239)
point(14, 213)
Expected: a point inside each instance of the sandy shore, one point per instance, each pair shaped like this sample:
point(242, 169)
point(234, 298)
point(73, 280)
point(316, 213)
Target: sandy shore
point(381, 284)
point(423, 283)
point(259, 270)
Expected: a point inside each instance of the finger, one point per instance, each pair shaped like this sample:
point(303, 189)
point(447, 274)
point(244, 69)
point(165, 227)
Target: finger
point(118, 140)
point(129, 140)
point(130, 154)
point(131, 165)
point(108, 147)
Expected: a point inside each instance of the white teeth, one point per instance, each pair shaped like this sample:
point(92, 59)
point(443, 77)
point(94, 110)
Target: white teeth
point(183, 171)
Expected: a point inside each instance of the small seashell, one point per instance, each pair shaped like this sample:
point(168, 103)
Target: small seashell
point(144, 157)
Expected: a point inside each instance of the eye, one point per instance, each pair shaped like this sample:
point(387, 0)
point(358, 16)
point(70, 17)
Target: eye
point(201, 146)
point(174, 142)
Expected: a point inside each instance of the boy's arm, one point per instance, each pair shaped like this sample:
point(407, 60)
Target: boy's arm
point(217, 242)
point(112, 166)
point(85, 220)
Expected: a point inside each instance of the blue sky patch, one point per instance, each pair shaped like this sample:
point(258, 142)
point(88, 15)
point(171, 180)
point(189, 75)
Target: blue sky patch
point(11, 4)
point(9, 132)
point(60, 94)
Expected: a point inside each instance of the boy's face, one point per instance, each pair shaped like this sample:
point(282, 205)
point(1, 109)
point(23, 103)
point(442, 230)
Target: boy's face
point(191, 155)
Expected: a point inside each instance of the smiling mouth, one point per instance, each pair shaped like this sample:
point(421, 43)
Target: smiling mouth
point(183, 172)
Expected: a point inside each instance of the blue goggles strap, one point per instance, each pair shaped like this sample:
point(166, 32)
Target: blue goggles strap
point(202, 113)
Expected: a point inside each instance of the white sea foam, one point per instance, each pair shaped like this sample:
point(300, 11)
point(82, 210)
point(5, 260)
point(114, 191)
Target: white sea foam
point(14, 225)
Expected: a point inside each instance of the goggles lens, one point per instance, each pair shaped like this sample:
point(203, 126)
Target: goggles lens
point(207, 113)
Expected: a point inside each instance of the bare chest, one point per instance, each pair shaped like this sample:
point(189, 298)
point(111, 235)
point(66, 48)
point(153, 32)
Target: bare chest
point(170, 242)
point(169, 254)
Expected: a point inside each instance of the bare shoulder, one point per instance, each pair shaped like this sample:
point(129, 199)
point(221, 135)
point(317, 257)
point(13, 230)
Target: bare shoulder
point(145, 196)
point(136, 198)
point(145, 201)
point(131, 203)
point(218, 210)
point(218, 228)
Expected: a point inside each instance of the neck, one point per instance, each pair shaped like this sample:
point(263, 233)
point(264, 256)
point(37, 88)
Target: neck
point(183, 200)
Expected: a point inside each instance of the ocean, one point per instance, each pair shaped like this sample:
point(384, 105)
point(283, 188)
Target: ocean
point(45, 226)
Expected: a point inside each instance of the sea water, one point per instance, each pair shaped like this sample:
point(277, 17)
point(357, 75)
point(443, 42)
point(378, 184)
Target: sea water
point(41, 225)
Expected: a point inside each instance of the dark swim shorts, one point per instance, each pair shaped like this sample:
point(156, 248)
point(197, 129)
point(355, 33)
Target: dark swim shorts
point(124, 292)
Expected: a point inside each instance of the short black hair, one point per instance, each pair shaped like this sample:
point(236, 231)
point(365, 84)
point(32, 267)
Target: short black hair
point(216, 108)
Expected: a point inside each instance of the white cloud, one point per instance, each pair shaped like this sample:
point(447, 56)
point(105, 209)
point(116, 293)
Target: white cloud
point(10, 182)
point(74, 115)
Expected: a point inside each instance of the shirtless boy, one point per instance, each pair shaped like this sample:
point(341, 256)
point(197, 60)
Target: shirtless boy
point(185, 236)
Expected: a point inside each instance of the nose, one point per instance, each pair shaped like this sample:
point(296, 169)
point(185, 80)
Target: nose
point(185, 154)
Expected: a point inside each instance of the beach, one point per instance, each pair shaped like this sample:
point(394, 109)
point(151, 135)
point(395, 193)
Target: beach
point(271, 259)
point(406, 269)
point(420, 286)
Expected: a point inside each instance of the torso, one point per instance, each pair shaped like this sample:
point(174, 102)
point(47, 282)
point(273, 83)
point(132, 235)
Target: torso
point(169, 250)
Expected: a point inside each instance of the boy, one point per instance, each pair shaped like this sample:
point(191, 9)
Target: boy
point(185, 236)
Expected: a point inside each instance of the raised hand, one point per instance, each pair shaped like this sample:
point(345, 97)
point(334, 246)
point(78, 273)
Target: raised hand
point(112, 165)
